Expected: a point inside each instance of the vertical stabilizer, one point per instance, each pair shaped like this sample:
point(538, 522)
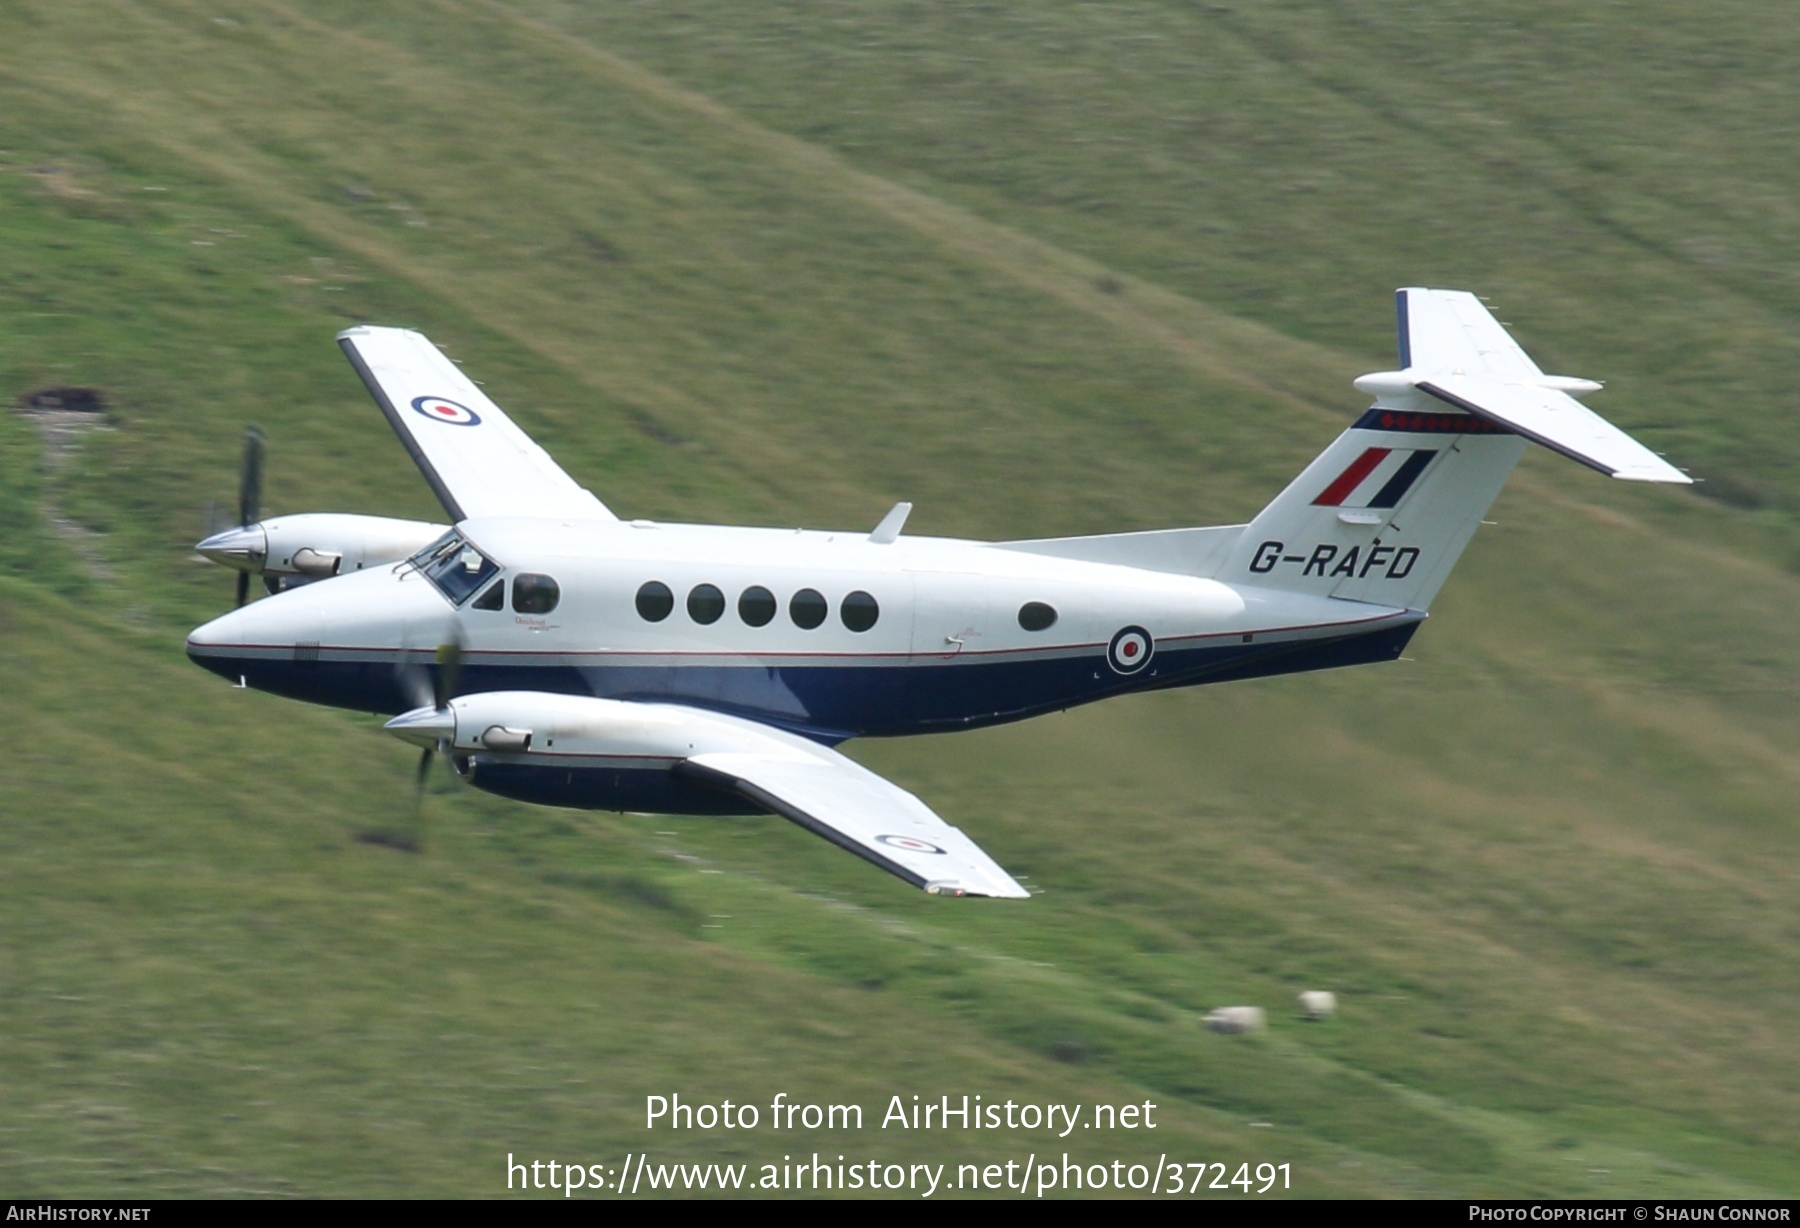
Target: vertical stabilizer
point(1386, 511)
point(1383, 513)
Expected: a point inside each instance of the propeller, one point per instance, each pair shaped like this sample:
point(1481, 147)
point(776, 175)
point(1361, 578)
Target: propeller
point(250, 477)
point(245, 547)
point(432, 689)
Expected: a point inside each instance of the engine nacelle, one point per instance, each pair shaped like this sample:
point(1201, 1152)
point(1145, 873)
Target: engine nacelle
point(565, 727)
point(317, 545)
point(321, 544)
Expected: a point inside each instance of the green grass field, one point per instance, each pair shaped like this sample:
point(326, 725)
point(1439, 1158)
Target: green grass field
point(1056, 268)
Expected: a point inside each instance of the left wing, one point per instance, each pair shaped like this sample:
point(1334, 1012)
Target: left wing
point(858, 811)
point(823, 791)
point(477, 461)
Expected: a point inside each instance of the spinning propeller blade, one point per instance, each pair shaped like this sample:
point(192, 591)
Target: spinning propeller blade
point(250, 476)
point(449, 670)
point(244, 546)
point(434, 690)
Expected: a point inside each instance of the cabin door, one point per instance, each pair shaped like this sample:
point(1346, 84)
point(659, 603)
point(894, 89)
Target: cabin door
point(950, 613)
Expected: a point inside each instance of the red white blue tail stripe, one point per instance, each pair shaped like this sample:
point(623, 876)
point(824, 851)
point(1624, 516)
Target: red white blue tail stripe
point(1379, 478)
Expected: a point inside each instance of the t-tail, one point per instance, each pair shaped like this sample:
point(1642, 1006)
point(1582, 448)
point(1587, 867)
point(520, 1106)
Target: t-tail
point(1384, 513)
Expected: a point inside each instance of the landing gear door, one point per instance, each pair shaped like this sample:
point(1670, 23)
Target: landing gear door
point(950, 614)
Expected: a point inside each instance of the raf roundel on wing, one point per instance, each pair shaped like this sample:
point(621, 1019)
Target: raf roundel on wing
point(440, 410)
point(911, 844)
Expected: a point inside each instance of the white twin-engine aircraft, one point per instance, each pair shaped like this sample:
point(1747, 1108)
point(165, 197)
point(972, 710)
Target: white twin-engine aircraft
point(561, 655)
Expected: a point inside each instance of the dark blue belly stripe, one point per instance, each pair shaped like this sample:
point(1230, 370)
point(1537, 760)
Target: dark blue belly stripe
point(828, 701)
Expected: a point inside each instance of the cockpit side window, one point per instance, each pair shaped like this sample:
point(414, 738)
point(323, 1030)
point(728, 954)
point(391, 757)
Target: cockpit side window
point(534, 594)
point(455, 567)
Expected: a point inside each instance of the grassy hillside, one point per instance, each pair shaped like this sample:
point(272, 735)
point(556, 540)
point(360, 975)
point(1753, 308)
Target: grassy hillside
point(1063, 268)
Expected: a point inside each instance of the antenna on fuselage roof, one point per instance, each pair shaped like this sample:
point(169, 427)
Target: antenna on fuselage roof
point(891, 524)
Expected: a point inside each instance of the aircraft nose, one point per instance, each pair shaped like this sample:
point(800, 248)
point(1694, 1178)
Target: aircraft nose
point(339, 641)
point(243, 548)
point(272, 624)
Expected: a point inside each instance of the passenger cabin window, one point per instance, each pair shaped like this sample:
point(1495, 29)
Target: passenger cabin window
point(654, 601)
point(1036, 616)
point(808, 609)
point(534, 594)
point(757, 606)
point(455, 567)
point(493, 599)
point(859, 611)
point(705, 604)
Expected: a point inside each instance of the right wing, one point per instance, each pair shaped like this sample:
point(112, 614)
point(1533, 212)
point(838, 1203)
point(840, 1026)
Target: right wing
point(477, 461)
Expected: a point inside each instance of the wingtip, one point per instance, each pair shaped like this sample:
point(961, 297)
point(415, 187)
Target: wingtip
point(955, 887)
point(1669, 477)
point(375, 330)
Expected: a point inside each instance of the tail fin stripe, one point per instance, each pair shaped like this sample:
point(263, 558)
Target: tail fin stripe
point(1351, 478)
point(1411, 423)
point(1401, 482)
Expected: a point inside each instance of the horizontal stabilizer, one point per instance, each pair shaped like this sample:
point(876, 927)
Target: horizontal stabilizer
point(1443, 329)
point(1556, 420)
point(1453, 351)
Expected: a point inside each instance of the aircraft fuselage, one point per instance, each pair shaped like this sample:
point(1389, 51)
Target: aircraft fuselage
point(827, 634)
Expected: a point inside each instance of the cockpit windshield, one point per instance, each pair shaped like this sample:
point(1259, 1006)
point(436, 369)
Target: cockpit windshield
point(454, 566)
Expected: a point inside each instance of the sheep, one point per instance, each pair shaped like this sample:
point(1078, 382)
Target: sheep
point(1237, 1020)
point(1318, 1004)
